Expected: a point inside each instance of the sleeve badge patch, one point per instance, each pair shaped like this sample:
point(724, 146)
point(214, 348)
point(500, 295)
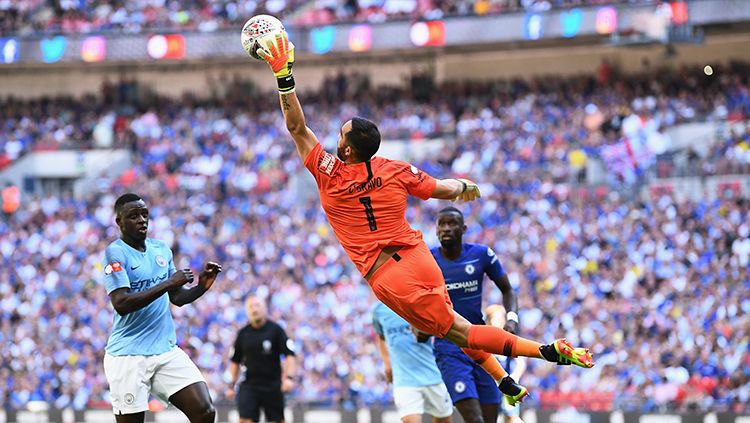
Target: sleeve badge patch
point(327, 161)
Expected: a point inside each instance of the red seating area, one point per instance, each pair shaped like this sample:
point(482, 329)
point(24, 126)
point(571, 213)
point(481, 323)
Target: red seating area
point(581, 400)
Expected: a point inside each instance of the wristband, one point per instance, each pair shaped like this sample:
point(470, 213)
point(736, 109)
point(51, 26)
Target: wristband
point(511, 316)
point(464, 186)
point(285, 84)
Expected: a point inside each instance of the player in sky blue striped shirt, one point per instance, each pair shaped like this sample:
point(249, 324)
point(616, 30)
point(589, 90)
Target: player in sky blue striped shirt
point(410, 364)
point(142, 355)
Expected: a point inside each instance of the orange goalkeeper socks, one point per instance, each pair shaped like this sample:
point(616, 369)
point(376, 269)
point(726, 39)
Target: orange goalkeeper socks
point(488, 362)
point(498, 341)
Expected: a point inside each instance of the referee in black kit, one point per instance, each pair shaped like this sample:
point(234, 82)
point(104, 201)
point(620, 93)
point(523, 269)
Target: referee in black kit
point(260, 346)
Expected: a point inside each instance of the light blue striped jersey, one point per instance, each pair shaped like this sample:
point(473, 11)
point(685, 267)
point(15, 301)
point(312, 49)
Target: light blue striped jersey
point(150, 330)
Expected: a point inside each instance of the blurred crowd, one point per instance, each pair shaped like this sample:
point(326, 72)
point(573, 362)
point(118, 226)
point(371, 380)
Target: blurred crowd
point(31, 17)
point(86, 16)
point(657, 289)
point(374, 11)
point(551, 123)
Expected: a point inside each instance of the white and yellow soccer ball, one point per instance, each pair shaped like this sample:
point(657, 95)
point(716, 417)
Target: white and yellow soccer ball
point(257, 31)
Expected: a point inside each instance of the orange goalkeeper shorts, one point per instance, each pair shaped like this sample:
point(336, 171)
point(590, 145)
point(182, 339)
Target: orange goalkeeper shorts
point(411, 284)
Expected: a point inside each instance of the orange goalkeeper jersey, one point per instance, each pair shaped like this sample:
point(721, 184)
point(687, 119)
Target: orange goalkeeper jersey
point(366, 202)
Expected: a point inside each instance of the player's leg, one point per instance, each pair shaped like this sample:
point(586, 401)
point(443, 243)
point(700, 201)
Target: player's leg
point(459, 378)
point(490, 412)
point(195, 401)
point(437, 403)
point(414, 288)
point(179, 381)
point(489, 395)
point(471, 411)
point(500, 378)
point(409, 404)
point(131, 418)
point(128, 386)
point(498, 341)
point(272, 403)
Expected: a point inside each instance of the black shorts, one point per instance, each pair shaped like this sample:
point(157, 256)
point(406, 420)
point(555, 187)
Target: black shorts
point(251, 400)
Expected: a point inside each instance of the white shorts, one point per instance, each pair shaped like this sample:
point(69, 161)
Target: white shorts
point(132, 377)
point(433, 400)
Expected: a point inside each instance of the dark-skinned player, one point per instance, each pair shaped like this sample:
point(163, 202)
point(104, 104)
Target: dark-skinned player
point(464, 265)
point(142, 355)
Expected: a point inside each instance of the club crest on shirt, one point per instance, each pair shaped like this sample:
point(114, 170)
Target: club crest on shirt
point(469, 269)
point(161, 261)
point(266, 346)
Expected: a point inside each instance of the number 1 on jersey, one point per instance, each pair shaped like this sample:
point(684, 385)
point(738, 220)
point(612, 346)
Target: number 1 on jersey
point(369, 213)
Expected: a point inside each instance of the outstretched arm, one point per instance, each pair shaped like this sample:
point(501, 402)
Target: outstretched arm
point(447, 189)
point(294, 118)
point(456, 189)
point(281, 61)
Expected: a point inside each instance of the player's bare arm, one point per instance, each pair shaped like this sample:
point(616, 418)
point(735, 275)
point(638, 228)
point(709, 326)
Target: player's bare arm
point(181, 295)
point(510, 301)
point(456, 189)
point(126, 301)
point(386, 358)
point(279, 54)
point(303, 137)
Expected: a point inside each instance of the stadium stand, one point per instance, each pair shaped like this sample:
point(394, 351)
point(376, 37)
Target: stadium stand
point(68, 16)
point(656, 287)
point(554, 121)
point(329, 11)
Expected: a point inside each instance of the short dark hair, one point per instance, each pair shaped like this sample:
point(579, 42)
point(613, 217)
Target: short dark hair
point(124, 199)
point(364, 138)
point(451, 209)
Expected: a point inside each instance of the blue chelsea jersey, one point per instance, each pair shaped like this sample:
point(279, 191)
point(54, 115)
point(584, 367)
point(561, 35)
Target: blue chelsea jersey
point(464, 278)
point(150, 330)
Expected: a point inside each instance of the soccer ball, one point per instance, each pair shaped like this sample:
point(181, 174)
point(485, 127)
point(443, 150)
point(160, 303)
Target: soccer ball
point(257, 31)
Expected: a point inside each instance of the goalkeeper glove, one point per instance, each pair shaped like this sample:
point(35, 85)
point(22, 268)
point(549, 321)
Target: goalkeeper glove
point(470, 191)
point(281, 60)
